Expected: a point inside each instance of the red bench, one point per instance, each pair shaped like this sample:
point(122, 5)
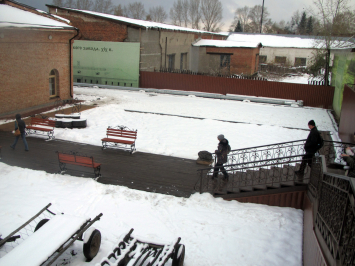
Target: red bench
point(120, 137)
point(74, 159)
point(41, 126)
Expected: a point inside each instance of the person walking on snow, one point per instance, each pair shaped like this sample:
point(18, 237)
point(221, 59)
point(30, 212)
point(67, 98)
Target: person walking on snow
point(313, 143)
point(222, 150)
point(19, 123)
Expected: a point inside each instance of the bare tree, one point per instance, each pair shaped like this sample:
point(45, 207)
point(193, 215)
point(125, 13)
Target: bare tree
point(158, 14)
point(118, 11)
point(58, 2)
point(242, 15)
point(176, 15)
point(70, 3)
point(211, 14)
point(185, 12)
point(134, 10)
point(103, 6)
point(84, 4)
point(194, 13)
point(329, 14)
point(255, 17)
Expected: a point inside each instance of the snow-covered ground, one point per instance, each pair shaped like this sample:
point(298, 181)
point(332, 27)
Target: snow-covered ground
point(251, 124)
point(215, 232)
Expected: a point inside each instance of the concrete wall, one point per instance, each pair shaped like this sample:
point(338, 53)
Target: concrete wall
point(176, 43)
point(150, 53)
point(289, 53)
point(27, 57)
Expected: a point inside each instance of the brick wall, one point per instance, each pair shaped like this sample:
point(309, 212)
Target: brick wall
point(27, 57)
point(243, 60)
point(93, 28)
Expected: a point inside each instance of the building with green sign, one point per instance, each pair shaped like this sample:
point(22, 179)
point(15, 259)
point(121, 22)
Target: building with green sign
point(108, 63)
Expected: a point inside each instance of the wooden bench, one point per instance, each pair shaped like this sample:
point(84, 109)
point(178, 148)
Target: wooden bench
point(74, 159)
point(41, 126)
point(120, 137)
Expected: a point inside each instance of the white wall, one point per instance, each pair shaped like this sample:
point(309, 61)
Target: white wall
point(290, 53)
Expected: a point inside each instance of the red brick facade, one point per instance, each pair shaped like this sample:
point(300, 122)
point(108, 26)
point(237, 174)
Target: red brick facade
point(93, 27)
point(242, 60)
point(27, 56)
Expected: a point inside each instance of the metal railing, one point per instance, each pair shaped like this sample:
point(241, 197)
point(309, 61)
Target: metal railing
point(271, 173)
point(333, 200)
point(265, 165)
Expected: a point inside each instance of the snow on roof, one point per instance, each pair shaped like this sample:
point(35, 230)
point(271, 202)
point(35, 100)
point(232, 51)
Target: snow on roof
point(219, 43)
point(14, 17)
point(138, 22)
point(282, 41)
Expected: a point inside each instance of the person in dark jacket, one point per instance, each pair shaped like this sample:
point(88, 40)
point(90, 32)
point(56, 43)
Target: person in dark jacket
point(221, 153)
point(311, 147)
point(19, 123)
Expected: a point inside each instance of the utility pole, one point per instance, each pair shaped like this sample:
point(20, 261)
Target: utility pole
point(261, 20)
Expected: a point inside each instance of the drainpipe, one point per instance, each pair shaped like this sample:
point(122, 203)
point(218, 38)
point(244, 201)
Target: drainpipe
point(70, 64)
point(166, 47)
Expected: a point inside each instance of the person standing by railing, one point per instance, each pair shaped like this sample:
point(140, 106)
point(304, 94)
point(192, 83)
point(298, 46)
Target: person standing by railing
point(222, 153)
point(313, 143)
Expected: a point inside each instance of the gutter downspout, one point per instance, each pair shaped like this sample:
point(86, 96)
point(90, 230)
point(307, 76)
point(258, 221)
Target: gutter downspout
point(70, 64)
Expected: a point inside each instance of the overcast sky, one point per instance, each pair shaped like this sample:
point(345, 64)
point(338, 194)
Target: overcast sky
point(278, 9)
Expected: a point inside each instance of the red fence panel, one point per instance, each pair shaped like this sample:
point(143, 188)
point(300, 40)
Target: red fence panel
point(312, 95)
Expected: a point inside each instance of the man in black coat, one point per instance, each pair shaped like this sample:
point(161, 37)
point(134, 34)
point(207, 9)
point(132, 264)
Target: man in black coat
point(20, 124)
point(311, 146)
point(221, 153)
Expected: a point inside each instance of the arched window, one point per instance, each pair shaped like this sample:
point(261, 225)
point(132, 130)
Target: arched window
point(53, 83)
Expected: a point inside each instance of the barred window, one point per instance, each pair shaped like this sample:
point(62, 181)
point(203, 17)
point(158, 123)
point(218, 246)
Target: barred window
point(171, 58)
point(300, 61)
point(225, 60)
point(280, 59)
point(262, 59)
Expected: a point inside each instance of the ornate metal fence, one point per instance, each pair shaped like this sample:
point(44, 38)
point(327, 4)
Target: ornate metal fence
point(333, 198)
point(268, 165)
point(270, 173)
point(331, 150)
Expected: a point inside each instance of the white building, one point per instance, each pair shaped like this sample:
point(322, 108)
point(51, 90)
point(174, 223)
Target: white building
point(292, 50)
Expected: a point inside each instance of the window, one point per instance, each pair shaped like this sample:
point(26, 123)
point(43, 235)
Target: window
point(300, 61)
point(225, 61)
point(171, 58)
point(53, 83)
point(280, 59)
point(262, 59)
point(183, 61)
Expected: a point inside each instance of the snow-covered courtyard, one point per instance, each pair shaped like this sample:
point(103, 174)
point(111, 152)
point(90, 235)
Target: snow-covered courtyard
point(214, 231)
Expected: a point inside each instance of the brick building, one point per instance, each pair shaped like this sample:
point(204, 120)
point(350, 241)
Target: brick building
point(161, 45)
point(35, 56)
point(226, 57)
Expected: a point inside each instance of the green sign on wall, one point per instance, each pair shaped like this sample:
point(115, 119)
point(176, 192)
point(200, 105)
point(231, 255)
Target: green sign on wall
point(108, 63)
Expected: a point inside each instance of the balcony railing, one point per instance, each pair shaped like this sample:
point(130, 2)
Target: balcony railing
point(334, 215)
